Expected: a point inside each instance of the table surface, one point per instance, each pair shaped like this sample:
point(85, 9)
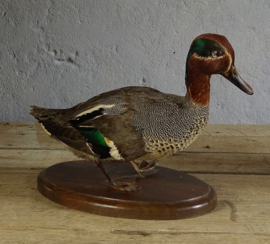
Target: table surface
point(234, 159)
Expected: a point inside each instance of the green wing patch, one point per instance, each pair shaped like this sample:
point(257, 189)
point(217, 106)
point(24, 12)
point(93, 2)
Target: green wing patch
point(94, 137)
point(97, 140)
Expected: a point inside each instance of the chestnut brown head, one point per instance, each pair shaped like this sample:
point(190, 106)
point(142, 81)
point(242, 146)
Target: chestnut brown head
point(213, 54)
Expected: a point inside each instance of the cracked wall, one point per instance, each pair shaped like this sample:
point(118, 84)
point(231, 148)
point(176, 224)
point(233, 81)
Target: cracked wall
point(56, 54)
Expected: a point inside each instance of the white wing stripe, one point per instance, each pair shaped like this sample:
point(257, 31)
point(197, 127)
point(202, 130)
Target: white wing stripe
point(94, 108)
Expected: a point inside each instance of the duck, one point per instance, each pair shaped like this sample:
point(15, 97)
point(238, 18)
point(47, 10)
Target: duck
point(141, 123)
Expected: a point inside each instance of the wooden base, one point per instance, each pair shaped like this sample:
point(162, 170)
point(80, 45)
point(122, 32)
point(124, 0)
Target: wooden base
point(166, 194)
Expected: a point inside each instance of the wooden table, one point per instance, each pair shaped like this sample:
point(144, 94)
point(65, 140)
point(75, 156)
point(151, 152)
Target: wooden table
point(234, 159)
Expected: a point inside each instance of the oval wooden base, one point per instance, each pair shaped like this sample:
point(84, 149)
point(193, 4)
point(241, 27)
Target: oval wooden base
point(166, 194)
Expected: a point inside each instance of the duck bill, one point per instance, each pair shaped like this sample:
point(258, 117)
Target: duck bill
point(233, 76)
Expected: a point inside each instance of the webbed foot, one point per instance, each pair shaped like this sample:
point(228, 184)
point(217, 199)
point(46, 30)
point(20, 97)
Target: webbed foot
point(125, 186)
point(118, 185)
point(144, 166)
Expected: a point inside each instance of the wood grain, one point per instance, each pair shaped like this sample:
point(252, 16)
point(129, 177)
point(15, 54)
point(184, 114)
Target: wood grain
point(222, 148)
point(215, 138)
point(238, 172)
point(233, 163)
point(241, 212)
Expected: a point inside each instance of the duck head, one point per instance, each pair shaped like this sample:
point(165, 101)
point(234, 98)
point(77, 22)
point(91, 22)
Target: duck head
point(210, 54)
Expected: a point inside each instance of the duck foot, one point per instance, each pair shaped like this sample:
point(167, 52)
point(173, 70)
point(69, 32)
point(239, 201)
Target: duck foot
point(144, 166)
point(125, 186)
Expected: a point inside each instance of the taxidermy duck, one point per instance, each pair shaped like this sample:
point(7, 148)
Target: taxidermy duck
point(142, 123)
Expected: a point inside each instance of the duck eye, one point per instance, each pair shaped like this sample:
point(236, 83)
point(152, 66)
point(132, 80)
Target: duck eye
point(217, 53)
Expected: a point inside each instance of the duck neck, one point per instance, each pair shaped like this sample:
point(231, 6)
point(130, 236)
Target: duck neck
point(198, 87)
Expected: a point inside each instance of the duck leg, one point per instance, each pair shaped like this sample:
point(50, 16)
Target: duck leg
point(143, 166)
point(100, 166)
point(118, 185)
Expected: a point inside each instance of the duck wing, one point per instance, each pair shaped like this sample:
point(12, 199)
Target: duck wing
point(103, 126)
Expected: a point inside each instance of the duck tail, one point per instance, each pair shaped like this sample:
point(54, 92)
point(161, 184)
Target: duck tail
point(51, 120)
point(44, 114)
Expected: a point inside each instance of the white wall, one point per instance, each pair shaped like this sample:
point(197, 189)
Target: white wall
point(58, 53)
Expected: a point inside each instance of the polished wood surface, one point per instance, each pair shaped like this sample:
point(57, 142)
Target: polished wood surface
point(234, 159)
point(166, 194)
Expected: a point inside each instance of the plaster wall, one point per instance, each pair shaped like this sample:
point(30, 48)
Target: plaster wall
point(56, 54)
